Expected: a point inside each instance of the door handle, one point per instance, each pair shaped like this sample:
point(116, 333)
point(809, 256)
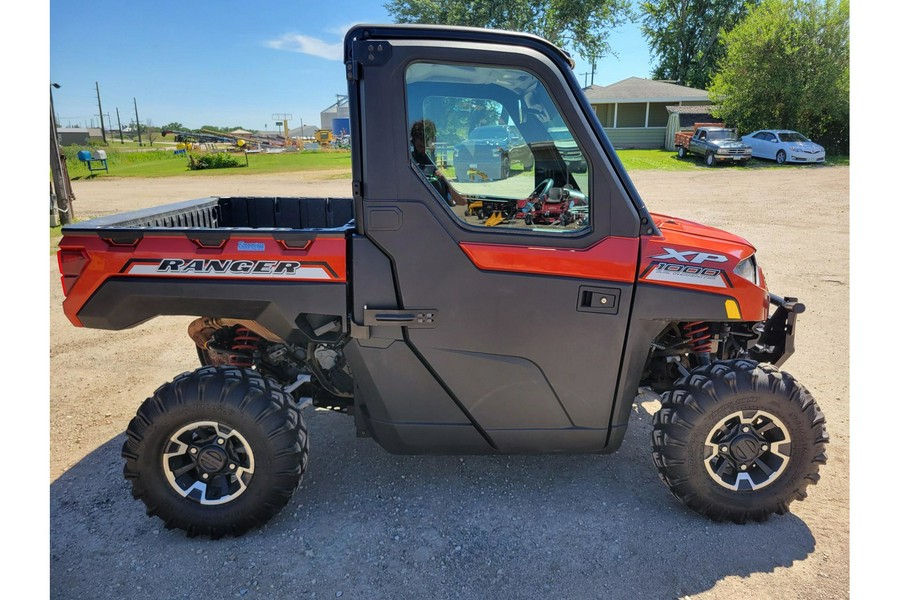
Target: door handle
point(599, 300)
point(420, 318)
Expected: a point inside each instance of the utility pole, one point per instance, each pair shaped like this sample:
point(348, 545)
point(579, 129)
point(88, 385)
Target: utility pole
point(138, 121)
point(119, 120)
point(591, 72)
point(59, 172)
point(100, 107)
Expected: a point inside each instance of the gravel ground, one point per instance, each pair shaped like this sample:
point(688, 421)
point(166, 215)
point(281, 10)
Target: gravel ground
point(367, 524)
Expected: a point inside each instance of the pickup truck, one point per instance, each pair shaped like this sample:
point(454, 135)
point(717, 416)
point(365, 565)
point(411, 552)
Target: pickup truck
point(714, 144)
point(489, 152)
point(436, 332)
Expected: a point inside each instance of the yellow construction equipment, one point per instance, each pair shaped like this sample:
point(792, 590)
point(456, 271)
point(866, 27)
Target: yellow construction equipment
point(325, 137)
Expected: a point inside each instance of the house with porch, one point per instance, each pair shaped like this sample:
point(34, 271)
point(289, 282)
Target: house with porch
point(634, 112)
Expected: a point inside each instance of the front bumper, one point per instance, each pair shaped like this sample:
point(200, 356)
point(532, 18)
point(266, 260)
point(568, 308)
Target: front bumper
point(805, 157)
point(733, 157)
point(776, 341)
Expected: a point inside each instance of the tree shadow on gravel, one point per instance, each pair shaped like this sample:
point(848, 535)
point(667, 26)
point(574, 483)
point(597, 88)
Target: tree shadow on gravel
point(368, 524)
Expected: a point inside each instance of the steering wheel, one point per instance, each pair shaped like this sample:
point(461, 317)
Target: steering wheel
point(542, 189)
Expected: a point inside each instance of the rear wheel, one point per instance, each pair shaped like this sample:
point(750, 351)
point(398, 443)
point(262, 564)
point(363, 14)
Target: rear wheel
point(781, 157)
point(739, 441)
point(216, 452)
point(504, 168)
point(681, 152)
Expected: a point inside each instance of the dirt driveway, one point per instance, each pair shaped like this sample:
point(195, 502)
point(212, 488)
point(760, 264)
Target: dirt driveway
point(367, 524)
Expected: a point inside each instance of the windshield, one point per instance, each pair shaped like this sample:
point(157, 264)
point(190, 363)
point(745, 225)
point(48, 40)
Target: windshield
point(791, 136)
point(723, 134)
point(495, 132)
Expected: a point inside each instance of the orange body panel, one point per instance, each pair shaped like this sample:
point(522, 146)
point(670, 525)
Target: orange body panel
point(611, 259)
point(260, 258)
point(695, 252)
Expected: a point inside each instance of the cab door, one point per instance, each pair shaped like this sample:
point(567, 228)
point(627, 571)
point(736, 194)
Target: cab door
point(521, 322)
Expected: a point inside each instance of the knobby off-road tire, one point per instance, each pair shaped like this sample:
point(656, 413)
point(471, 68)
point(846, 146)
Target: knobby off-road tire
point(216, 452)
point(738, 441)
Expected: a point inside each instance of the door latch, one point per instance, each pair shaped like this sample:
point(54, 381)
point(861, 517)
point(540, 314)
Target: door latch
point(599, 300)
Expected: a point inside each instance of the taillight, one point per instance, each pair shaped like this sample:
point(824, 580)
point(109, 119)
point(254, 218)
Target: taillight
point(71, 263)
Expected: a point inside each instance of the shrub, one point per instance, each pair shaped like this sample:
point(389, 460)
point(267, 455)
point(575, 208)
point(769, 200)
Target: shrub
point(218, 160)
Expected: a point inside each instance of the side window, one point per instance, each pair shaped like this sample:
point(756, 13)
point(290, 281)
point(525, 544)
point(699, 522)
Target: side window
point(493, 146)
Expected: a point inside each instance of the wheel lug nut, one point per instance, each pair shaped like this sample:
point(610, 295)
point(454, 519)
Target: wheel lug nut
point(743, 467)
point(220, 441)
point(765, 447)
point(206, 475)
point(193, 451)
point(724, 448)
point(746, 429)
point(231, 466)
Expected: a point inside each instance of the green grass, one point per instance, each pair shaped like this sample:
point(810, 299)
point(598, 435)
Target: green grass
point(165, 163)
point(162, 162)
point(663, 160)
point(656, 160)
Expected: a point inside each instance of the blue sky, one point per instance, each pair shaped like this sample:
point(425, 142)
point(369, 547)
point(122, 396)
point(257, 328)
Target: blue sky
point(226, 63)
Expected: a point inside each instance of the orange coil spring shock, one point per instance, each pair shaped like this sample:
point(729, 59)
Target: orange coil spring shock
point(245, 342)
point(697, 333)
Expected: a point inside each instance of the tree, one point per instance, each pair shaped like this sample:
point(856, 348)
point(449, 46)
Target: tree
point(685, 36)
point(788, 66)
point(580, 26)
point(174, 126)
point(151, 131)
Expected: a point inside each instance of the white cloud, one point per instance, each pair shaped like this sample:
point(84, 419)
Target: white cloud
point(306, 44)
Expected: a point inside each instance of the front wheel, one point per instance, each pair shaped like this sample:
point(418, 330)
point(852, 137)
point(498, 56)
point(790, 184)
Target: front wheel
point(781, 157)
point(710, 159)
point(216, 452)
point(738, 441)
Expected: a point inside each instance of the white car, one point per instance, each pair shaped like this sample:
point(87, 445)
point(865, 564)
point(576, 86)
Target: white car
point(784, 146)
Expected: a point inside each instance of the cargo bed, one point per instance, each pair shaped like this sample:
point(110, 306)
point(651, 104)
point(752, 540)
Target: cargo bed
point(257, 258)
point(231, 212)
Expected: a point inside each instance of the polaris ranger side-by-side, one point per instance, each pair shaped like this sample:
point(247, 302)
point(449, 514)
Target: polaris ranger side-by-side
point(437, 330)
